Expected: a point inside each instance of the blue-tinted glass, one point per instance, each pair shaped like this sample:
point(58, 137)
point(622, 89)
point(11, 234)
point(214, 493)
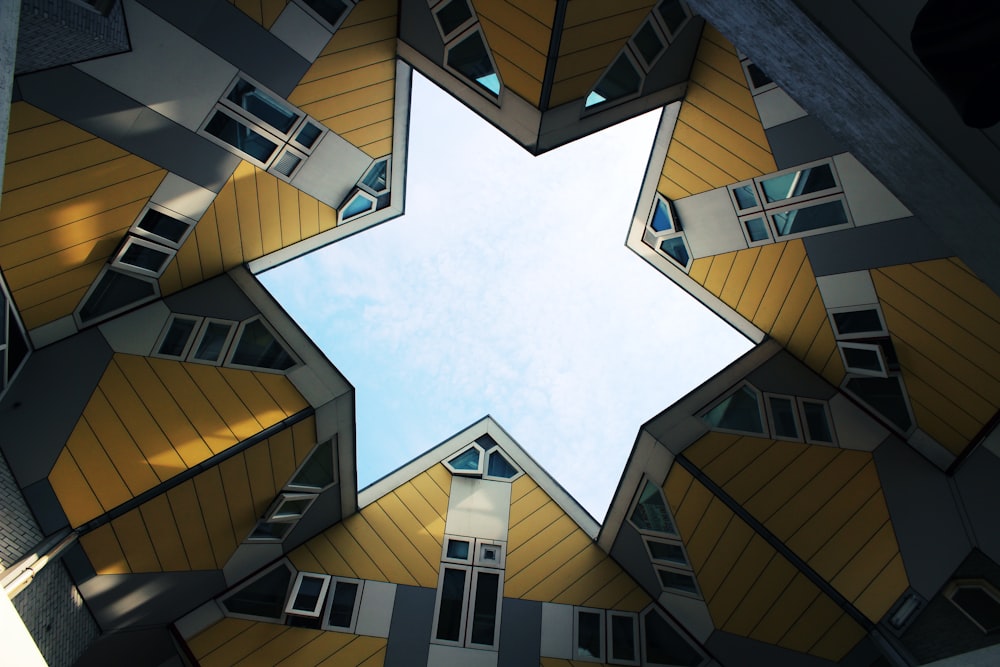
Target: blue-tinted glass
point(676, 250)
point(756, 229)
point(342, 605)
point(621, 80)
point(745, 196)
point(144, 257)
point(470, 58)
point(240, 136)
point(308, 135)
point(458, 549)
point(262, 106)
point(651, 513)
point(467, 460)
point(798, 183)
point(357, 206)
point(662, 220)
point(808, 218)
point(500, 467)
point(490, 82)
point(163, 225)
point(737, 412)
point(376, 176)
point(594, 98)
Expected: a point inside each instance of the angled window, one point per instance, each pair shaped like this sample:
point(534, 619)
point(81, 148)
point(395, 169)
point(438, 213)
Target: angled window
point(376, 178)
point(162, 225)
point(662, 218)
point(143, 257)
point(263, 596)
point(678, 581)
point(648, 43)
point(798, 184)
point(308, 594)
point(14, 348)
point(863, 359)
point(744, 196)
point(854, 322)
point(287, 162)
point(453, 16)
point(342, 603)
point(650, 513)
point(318, 471)
point(115, 292)
point(662, 644)
point(758, 80)
point(623, 638)
point(458, 549)
point(357, 204)
point(978, 600)
point(257, 347)
point(739, 412)
point(674, 15)
point(667, 552)
point(886, 396)
point(175, 340)
point(252, 99)
point(588, 634)
point(469, 461)
point(330, 12)
point(620, 81)
point(308, 135)
point(676, 249)
point(290, 507)
point(499, 467)
point(800, 220)
point(469, 56)
point(486, 597)
point(816, 418)
point(755, 230)
point(270, 531)
point(212, 342)
point(782, 417)
point(250, 142)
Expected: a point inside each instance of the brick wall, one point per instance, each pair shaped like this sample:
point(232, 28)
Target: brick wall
point(19, 533)
point(58, 32)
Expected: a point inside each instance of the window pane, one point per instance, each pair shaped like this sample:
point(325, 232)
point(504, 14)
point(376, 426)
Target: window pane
point(144, 257)
point(452, 15)
point(678, 581)
point(648, 43)
point(650, 512)
point(665, 551)
point(798, 183)
point(662, 220)
point(885, 396)
point(467, 460)
point(271, 530)
point(359, 205)
point(738, 412)
point(177, 336)
point(619, 81)
point(484, 609)
point(745, 195)
point(241, 137)
point(470, 58)
point(500, 467)
point(757, 77)
point(342, 604)
point(810, 218)
point(588, 642)
point(317, 472)
point(163, 225)
point(115, 291)
point(858, 321)
point(664, 646)
point(817, 425)
point(757, 229)
point(487, 442)
point(450, 612)
point(292, 508)
point(331, 11)
point(623, 638)
point(676, 250)
point(307, 597)
point(377, 175)
point(262, 597)
point(862, 359)
point(980, 605)
point(258, 347)
point(17, 348)
point(458, 549)
point(262, 106)
point(673, 15)
point(783, 415)
point(210, 345)
point(308, 135)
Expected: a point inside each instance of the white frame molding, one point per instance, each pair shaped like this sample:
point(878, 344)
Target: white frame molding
point(675, 227)
point(470, 611)
point(131, 240)
point(806, 434)
point(197, 319)
point(881, 332)
point(316, 611)
point(499, 563)
point(467, 569)
point(873, 348)
point(703, 413)
point(292, 486)
point(351, 196)
point(284, 562)
point(609, 649)
point(331, 592)
point(235, 341)
point(145, 233)
point(602, 631)
point(647, 539)
point(243, 120)
point(286, 135)
point(804, 204)
point(388, 175)
point(793, 404)
point(467, 473)
point(200, 335)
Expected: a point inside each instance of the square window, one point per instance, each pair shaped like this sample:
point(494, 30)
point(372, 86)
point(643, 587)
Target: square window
point(254, 144)
point(175, 341)
point(678, 581)
point(863, 359)
point(458, 549)
point(308, 594)
point(162, 225)
point(261, 105)
point(490, 553)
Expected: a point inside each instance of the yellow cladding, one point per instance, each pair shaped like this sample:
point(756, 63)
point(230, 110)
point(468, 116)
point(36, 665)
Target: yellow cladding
point(396, 539)
point(945, 326)
point(149, 419)
point(68, 198)
point(232, 642)
point(825, 504)
point(254, 214)
point(751, 590)
point(264, 12)
point(551, 559)
point(199, 523)
point(519, 39)
point(593, 34)
point(774, 287)
point(350, 87)
point(718, 139)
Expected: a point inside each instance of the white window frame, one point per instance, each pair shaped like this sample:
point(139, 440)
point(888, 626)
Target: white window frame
point(760, 409)
point(884, 418)
point(270, 540)
point(273, 516)
point(758, 215)
point(799, 428)
point(743, 212)
point(755, 90)
point(607, 104)
point(285, 137)
point(458, 561)
point(291, 486)
point(463, 623)
point(982, 584)
point(602, 629)
point(882, 371)
point(660, 539)
point(460, 36)
point(659, 248)
point(201, 334)
point(687, 572)
point(325, 618)
point(117, 311)
point(609, 648)
point(805, 424)
point(131, 240)
point(162, 240)
point(351, 4)
point(758, 182)
point(478, 472)
point(808, 203)
point(203, 132)
point(499, 545)
point(356, 192)
point(881, 332)
point(497, 478)
point(282, 151)
point(198, 320)
point(235, 340)
point(471, 606)
point(674, 224)
point(635, 503)
point(388, 176)
point(315, 612)
point(294, 143)
point(284, 562)
point(660, 31)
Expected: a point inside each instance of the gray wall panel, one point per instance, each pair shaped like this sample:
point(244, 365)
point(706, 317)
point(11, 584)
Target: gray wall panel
point(801, 140)
point(38, 414)
point(79, 98)
point(418, 29)
point(237, 38)
point(155, 598)
point(410, 629)
point(977, 483)
point(137, 648)
point(675, 65)
point(885, 244)
point(629, 552)
point(734, 651)
point(45, 506)
point(218, 297)
point(520, 633)
point(924, 516)
point(784, 374)
point(323, 513)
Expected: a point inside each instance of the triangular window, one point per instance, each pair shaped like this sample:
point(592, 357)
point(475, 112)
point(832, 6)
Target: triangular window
point(262, 597)
point(499, 467)
point(651, 513)
point(740, 412)
point(318, 472)
point(258, 347)
point(467, 462)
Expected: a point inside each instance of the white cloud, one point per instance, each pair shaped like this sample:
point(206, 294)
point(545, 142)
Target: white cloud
point(506, 288)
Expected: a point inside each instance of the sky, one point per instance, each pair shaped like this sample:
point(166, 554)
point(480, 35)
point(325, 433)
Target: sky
point(506, 289)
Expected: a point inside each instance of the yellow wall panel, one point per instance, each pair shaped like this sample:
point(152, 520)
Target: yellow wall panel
point(790, 480)
point(770, 583)
point(884, 590)
point(241, 645)
point(212, 500)
point(728, 551)
point(158, 517)
point(789, 606)
point(736, 458)
point(101, 546)
point(325, 645)
point(514, 48)
point(813, 624)
point(839, 639)
point(192, 530)
point(759, 472)
point(264, 12)
point(710, 446)
point(740, 579)
point(96, 467)
point(135, 542)
point(69, 484)
point(532, 540)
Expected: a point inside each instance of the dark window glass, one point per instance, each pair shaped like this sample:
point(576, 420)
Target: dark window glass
point(673, 15)
point(258, 347)
point(17, 349)
point(664, 646)
point(672, 553)
point(211, 343)
point(588, 636)
point(648, 43)
point(4, 314)
point(484, 608)
point(450, 611)
point(676, 250)
point(817, 425)
point(342, 604)
point(862, 359)
point(783, 415)
point(662, 220)
point(620, 81)
point(452, 15)
point(857, 321)
point(271, 530)
point(292, 508)
point(240, 136)
point(757, 229)
point(885, 396)
point(467, 460)
point(738, 412)
point(308, 135)
point(678, 581)
point(470, 58)
point(623, 638)
point(307, 597)
point(757, 77)
point(144, 257)
point(500, 467)
point(115, 291)
point(487, 442)
point(262, 106)
point(177, 336)
point(798, 183)
point(330, 11)
point(163, 225)
point(650, 512)
point(376, 176)
point(318, 470)
point(458, 549)
point(809, 218)
point(980, 605)
point(746, 196)
point(262, 597)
